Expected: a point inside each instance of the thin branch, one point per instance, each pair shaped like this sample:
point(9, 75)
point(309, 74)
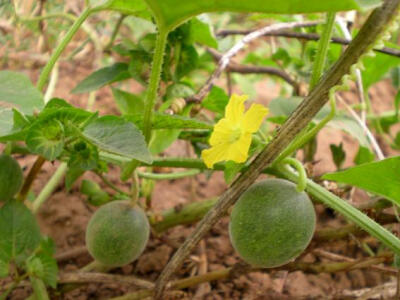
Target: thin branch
point(299, 119)
point(225, 59)
point(307, 36)
point(249, 69)
point(370, 136)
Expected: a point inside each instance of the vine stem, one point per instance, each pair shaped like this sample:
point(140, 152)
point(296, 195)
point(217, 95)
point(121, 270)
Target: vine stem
point(168, 176)
point(60, 48)
point(49, 187)
point(323, 47)
point(158, 58)
point(151, 95)
point(373, 28)
point(302, 179)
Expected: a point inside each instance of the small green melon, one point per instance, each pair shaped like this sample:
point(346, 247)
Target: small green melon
point(117, 233)
point(272, 223)
point(11, 177)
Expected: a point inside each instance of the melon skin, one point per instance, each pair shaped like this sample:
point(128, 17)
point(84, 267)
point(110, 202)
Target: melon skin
point(11, 177)
point(272, 223)
point(117, 233)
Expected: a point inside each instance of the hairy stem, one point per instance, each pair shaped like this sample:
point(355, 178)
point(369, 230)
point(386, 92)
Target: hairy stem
point(33, 172)
point(371, 30)
point(168, 176)
point(60, 48)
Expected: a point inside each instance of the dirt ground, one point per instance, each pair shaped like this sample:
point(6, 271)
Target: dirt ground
point(65, 215)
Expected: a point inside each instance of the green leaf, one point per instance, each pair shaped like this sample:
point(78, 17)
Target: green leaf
point(102, 77)
point(281, 108)
point(43, 266)
point(338, 154)
point(131, 7)
point(84, 156)
point(96, 195)
point(19, 231)
point(216, 100)
point(165, 121)
point(162, 139)
point(364, 155)
point(179, 90)
point(16, 90)
point(72, 176)
point(6, 122)
point(380, 178)
point(231, 170)
point(201, 32)
point(378, 66)
point(170, 13)
point(187, 61)
point(117, 136)
point(128, 103)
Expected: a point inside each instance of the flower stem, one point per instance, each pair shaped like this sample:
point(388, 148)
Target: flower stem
point(60, 48)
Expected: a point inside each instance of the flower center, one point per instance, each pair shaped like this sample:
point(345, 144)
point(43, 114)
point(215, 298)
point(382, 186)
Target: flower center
point(235, 135)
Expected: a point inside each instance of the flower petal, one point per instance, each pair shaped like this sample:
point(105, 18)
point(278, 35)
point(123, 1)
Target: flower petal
point(254, 117)
point(214, 154)
point(239, 151)
point(221, 133)
point(235, 108)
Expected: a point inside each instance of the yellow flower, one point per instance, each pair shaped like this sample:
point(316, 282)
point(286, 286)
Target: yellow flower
point(231, 137)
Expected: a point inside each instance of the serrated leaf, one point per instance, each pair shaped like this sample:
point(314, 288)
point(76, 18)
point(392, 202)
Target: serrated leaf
point(46, 138)
point(16, 90)
point(128, 103)
point(165, 121)
point(19, 231)
point(102, 77)
point(118, 136)
point(380, 178)
point(49, 269)
point(216, 100)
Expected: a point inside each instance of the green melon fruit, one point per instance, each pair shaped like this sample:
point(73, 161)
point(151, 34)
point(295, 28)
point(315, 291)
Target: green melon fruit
point(117, 233)
point(272, 223)
point(11, 177)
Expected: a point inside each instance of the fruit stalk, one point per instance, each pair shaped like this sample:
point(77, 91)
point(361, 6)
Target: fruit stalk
point(369, 33)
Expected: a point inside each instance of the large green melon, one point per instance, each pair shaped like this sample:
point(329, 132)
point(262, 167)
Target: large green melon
point(11, 177)
point(117, 233)
point(272, 223)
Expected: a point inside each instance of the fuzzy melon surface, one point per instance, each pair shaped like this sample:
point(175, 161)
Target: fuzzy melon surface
point(117, 233)
point(272, 223)
point(11, 177)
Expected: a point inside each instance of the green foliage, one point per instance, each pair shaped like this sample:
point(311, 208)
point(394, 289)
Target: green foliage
point(102, 77)
point(128, 103)
point(338, 154)
point(96, 196)
point(170, 13)
point(117, 136)
point(11, 177)
point(216, 100)
point(17, 90)
point(364, 155)
point(380, 178)
point(19, 232)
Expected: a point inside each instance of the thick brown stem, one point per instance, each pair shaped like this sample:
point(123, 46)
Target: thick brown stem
point(371, 31)
point(34, 171)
